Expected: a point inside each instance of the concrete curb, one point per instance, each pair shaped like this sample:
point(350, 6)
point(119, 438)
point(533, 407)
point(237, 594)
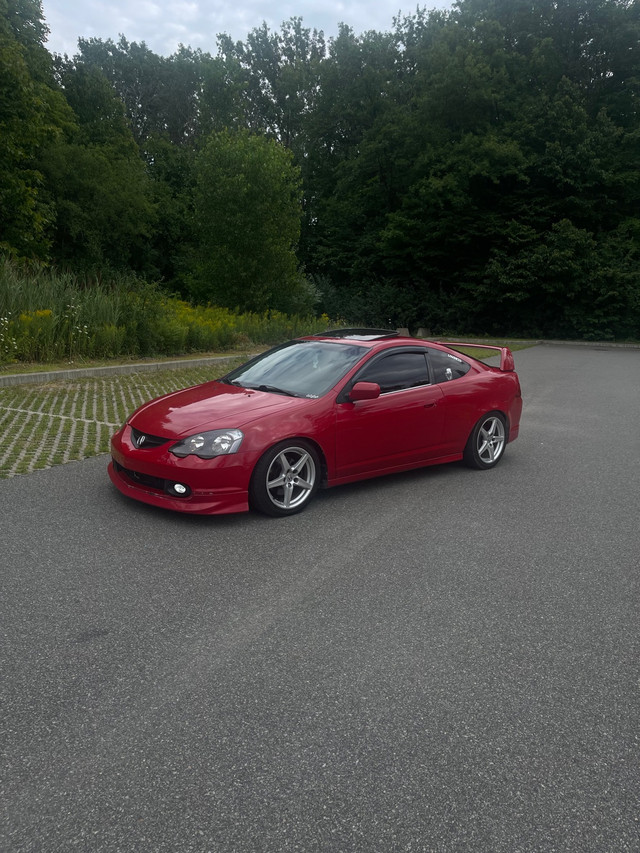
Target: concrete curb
point(590, 344)
point(112, 370)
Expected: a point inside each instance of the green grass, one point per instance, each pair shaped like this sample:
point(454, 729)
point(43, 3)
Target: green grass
point(69, 420)
point(483, 354)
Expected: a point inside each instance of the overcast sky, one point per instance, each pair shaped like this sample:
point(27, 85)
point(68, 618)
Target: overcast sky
point(164, 24)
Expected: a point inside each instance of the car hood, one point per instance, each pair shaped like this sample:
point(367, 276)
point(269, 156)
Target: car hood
point(212, 405)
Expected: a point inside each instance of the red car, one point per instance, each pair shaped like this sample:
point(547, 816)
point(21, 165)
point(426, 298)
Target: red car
point(315, 412)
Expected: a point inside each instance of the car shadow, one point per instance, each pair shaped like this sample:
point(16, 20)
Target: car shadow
point(381, 486)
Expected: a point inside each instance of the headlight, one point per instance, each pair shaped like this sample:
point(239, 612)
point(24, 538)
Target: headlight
point(207, 445)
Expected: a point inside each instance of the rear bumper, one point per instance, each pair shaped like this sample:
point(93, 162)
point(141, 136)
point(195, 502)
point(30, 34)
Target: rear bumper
point(514, 418)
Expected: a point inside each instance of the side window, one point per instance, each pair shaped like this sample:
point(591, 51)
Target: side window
point(446, 366)
point(396, 371)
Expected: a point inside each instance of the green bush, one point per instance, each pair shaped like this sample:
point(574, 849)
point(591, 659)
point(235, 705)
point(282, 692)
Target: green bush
point(8, 343)
point(34, 333)
point(47, 316)
point(108, 341)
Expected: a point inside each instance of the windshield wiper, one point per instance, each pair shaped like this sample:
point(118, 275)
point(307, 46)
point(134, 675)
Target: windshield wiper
point(273, 389)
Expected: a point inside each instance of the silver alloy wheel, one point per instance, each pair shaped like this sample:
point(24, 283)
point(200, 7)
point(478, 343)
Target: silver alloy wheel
point(291, 478)
point(491, 438)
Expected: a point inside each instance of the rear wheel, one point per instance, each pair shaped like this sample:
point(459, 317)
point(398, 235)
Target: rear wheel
point(487, 442)
point(285, 478)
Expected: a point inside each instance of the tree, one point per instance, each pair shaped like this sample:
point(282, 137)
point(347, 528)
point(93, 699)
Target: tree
point(562, 283)
point(349, 167)
point(32, 114)
point(247, 223)
point(181, 97)
point(136, 76)
point(279, 74)
point(171, 169)
point(97, 182)
point(475, 169)
point(460, 157)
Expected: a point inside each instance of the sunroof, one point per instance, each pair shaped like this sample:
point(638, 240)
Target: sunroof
point(358, 334)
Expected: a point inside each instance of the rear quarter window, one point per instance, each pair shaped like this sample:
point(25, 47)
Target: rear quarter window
point(446, 367)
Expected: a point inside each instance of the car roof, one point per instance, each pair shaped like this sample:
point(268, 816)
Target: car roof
point(360, 334)
point(386, 338)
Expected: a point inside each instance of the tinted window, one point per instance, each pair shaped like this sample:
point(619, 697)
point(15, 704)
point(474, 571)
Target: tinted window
point(396, 371)
point(446, 366)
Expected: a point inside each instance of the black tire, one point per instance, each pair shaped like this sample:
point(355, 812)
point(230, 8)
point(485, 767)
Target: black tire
point(285, 478)
point(487, 442)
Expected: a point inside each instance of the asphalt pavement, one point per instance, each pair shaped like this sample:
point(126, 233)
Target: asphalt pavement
point(444, 660)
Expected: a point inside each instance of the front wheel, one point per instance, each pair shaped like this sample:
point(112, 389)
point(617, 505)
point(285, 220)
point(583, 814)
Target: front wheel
point(285, 478)
point(487, 442)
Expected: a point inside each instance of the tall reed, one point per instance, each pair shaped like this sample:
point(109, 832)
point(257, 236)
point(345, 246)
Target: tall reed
point(47, 315)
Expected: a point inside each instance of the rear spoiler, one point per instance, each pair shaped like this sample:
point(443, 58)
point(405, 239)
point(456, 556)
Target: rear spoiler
point(507, 364)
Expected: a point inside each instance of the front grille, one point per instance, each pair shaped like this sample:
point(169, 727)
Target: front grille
point(143, 479)
point(143, 440)
point(156, 483)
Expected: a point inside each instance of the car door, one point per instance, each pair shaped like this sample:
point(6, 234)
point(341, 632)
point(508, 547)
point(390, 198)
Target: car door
point(400, 428)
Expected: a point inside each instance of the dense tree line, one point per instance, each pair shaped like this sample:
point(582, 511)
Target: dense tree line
point(476, 170)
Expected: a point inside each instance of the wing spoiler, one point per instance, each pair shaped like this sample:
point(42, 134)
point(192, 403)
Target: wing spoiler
point(507, 364)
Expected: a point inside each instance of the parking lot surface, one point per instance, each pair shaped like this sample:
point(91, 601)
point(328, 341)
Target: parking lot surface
point(440, 661)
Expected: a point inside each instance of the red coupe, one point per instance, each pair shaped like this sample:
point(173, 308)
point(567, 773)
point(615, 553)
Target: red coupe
point(317, 412)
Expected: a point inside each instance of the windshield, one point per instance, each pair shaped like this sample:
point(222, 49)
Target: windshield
point(300, 368)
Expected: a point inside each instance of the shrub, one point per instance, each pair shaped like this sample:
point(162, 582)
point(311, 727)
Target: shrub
point(108, 341)
point(47, 316)
point(8, 343)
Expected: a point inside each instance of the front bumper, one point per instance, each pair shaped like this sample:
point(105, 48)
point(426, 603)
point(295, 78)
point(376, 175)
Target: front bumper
point(143, 488)
point(208, 487)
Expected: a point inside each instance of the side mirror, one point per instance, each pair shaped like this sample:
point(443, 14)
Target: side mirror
point(364, 391)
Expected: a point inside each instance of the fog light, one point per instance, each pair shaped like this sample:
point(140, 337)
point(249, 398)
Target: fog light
point(176, 490)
